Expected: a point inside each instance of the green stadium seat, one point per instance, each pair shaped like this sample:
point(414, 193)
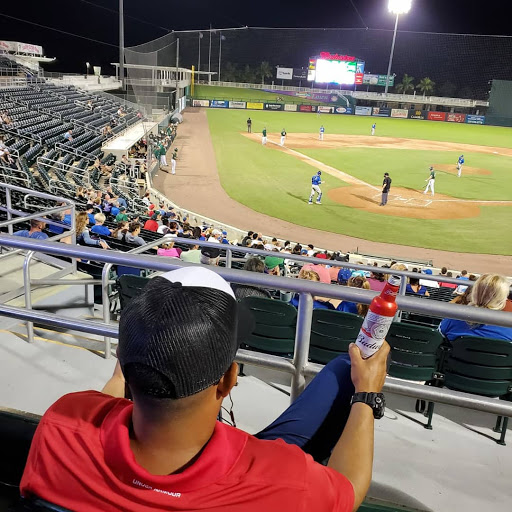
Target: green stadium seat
point(331, 334)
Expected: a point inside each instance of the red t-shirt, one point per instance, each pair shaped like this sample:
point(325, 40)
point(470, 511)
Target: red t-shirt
point(81, 459)
point(151, 225)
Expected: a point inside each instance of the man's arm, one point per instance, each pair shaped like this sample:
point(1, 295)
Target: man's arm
point(353, 454)
point(116, 385)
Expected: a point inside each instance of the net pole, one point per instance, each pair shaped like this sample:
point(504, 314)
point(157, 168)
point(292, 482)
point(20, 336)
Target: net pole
point(210, 51)
point(199, 54)
point(121, 43)
point(220, 52)
point(177, 72)
point(391, 56)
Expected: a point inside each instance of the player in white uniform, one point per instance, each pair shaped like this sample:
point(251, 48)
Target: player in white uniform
point(316, 181)
point(431, 181)
point(322, 131)
point(264, 136)
point(374, 126)
point(283, 137)
point(173, 163)
point(460, 163)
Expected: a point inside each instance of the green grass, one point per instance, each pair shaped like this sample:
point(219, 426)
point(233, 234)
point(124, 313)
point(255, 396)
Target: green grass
point(213, 92)
point(278, 184)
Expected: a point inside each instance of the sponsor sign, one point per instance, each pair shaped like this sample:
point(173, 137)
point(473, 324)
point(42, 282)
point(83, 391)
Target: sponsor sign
point(436, 116)
point(381, 112)
point(359, 78)
point(363, 111)
point(300, 74)
point(30, 48)
point(254, 106)
point(219, 104)
point(324, 110)
point(418, 114)
point(284, 73)
point(290, 108)
point(452, 117)
point(471, 119)
point(401, 113)
point(8, 46)
point(343, 110)
point(200, 103)
point(379, 80)
point(237, 104)
point(274, 106)
point(336, 56)
point(307, 108)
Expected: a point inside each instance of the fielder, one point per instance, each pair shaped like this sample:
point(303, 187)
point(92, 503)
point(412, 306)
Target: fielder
point(322, 131)
point(316, 181)
point(283, 137)
point(264, 136)
point(460, 163)
point(374, 127)
point(163, 157)
point(431, 181)
point(173, 164)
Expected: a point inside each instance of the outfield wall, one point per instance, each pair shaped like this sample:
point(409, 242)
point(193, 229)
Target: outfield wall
point(398, 113)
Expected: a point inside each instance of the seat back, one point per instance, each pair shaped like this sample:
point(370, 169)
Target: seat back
point(331, 334)
point(129, 287)
point(275, 324)
point(479, 365)
point(414, 351)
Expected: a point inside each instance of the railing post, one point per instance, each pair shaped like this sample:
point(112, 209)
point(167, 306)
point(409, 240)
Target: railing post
point(8, 203)
point(401, 292)
point(229, 258)
point(302, 338)
point(28, 296)
point(106, 305)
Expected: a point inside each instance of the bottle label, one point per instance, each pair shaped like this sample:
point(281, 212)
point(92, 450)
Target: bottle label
point(373, 333)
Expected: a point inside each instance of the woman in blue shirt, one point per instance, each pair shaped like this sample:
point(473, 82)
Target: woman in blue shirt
point(318, 302)
point(356, 281)
point(415, 287)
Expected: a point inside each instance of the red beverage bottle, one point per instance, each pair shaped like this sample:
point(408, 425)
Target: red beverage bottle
point(378, 319)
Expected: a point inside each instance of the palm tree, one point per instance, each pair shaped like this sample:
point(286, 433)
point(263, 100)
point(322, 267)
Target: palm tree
point(229, 73)
point(265, 71)
point(426, 85)
point(247, 75)
point(406, 86)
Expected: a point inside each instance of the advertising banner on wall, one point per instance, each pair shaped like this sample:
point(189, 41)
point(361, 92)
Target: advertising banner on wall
point(219, 104)
point(379, 80)
point(316, 96)
point(237, 104)
point(471, 119)
point(452, 117)
point(324, 110)
point(274, 106)
point(8, 46)
point(436, 116)
point(254, 106)
point(300, 74)
point(418, 114)
point(359, 78)
point(363, 111)
point(284, 73)
point(343, 110)
point(30, 48)
point(201, 103)
point(307, 108)
point(401, 113)
point(381, 112)
point(290, 108)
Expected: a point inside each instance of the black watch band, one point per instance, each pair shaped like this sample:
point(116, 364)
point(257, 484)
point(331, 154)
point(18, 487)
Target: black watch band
point(375, 400)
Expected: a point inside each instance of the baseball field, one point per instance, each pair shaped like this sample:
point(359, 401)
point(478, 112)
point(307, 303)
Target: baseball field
point(471, 214)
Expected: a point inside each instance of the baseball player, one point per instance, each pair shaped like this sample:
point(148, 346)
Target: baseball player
point(283, 137)
point(374, 127)
point(176, 153)
point(173, 164)
point(249, 125)
point(386, 185)
point(264, 136)
point(316, 181)
point(460, 163)
point(431, 181)
point(163, 153)
point(322, 131)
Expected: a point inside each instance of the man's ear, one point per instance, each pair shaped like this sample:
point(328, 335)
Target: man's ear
point(228, 381)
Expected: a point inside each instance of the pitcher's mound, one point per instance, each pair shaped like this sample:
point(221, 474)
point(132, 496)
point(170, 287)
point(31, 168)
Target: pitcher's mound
point(403, 202)
point(468, 171)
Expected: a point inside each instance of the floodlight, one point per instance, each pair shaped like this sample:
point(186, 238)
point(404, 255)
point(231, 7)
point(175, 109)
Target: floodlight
point(399, 6)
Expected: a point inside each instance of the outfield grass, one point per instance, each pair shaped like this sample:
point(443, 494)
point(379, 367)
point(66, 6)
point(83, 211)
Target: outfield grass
point(213, 92)
point(278, 184)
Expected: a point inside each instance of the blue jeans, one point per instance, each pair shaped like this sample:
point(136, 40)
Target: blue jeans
point(122, 202)
point(315, 421)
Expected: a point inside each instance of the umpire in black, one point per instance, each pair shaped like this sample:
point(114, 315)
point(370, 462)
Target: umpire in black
point(386, 185)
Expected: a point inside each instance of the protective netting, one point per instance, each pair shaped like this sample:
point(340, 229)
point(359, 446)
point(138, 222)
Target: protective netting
point(460, 65)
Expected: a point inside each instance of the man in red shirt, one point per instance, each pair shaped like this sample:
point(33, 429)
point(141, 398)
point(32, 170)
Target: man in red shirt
point(152, 223)
point(166, 450)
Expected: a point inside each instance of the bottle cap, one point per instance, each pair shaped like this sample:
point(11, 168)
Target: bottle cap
point(394, 280)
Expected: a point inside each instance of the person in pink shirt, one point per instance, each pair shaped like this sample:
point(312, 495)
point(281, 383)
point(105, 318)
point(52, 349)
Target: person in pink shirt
point(322, 271)
point(169, 251)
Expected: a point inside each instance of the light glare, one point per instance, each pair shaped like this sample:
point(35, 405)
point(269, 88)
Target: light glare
point(399, 6)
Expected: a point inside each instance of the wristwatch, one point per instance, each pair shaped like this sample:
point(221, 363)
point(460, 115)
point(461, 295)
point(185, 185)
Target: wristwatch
point(375, 400)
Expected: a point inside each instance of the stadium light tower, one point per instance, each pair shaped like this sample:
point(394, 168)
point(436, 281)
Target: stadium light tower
point(396, 7)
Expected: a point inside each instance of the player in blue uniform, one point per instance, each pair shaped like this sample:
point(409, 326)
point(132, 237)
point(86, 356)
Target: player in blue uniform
point(322, 131)
point(316, 181)
point(460, 163)
point(374, 127)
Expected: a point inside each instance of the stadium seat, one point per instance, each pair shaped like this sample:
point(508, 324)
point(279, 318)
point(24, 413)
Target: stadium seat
point(331, 334)
point(414, 356)
point(274, 332)
point(481, 366)
point(130, 286)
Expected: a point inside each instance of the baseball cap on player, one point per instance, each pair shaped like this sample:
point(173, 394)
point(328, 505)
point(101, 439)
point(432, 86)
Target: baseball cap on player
point(386, 174)
point(319, 173)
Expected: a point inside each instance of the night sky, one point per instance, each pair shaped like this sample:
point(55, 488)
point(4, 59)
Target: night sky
point(153, 18)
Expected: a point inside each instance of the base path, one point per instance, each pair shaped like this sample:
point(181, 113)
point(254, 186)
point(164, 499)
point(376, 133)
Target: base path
point(196, 186)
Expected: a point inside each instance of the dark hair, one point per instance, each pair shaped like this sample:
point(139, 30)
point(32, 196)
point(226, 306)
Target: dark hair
point(297, 249)
point(444, 270)
point(255, 236)
point(165, 221)
point(34, 223)
point(311, 246)
point(449, 274)
point(196, 232)
point(379, 276)
point(287, 243)
point(414, 281)
point(133, 226)
point(254, 265)
point(250, 233)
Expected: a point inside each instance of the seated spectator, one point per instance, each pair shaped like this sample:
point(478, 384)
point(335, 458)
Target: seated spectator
point(132, 236)
point(461, 288)
point(152, 223)
point(311, 249)
point(448, 285)
point(193, 255)
point(82, 232)
point(377, 281)
point(80, 193)
point(210, 255)
point(169, 251)
point(353, 307)
point(99, 228)
point(247, 237)
point(321, 270)
point(318, 302)
point(490, 291)
point(114, 211)
point(414, 287)
point(243, 290)
point(297, 250)
point(122, 214)
point(146, 199)
point(164, 228)
point(426, 282)
point(90, 214)
point(273, 265)
point(35, 231)
point(68, 136)
point(121, 229)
